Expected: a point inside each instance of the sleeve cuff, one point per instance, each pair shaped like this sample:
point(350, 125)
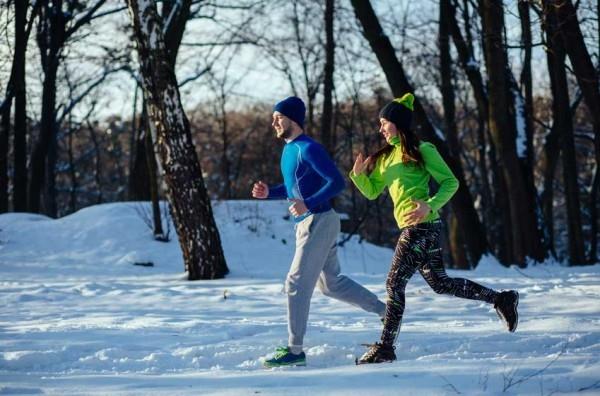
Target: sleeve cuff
point(432, 204)
point(354, 176)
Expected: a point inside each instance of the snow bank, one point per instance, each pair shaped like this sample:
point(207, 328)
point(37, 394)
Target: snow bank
point(78, 317)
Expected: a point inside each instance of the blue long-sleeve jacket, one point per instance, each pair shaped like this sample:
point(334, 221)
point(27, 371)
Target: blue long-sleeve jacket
point(309, 174)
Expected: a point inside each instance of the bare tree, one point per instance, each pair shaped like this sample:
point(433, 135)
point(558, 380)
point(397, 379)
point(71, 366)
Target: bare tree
point(143, 180)
point(562, 134)
point(593, 255)
point(55, 27)
point(192, 212)
point(16, 90)
point(151, 164)
point(587, 78)
point(527, 80)
point(457, 248)
point(493, 206)
point(326, 116)
point(526, 241)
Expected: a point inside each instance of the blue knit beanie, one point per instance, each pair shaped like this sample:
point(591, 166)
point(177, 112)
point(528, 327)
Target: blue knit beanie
point(293, 108)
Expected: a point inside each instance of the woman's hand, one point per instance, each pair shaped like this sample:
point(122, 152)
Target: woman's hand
point(360, 164)
point(418, 214)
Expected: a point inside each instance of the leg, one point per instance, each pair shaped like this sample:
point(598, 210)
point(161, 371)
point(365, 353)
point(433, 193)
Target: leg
point(313, 242)
point(409, 255)
point(505, 302)
point(435, 275)
point(342, 288)
point(407, 258)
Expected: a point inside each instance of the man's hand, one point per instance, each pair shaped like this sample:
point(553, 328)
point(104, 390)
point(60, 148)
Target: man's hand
point(418, 214)
point(260, 190)
point(297, 208)
point(360, 164)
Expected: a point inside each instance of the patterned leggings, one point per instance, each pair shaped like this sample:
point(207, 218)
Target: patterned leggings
point(418, 249)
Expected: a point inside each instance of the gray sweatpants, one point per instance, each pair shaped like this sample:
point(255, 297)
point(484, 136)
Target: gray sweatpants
point(316, 263)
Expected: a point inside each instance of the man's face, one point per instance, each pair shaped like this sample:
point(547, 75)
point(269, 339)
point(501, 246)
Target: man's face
point(388, 129)
point(282, 125)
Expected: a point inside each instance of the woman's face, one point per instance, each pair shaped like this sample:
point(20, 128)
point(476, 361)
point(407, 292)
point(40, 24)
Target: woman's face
point(388, 129)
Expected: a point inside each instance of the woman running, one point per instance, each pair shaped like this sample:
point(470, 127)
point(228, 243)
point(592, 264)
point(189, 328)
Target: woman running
point(405, 167)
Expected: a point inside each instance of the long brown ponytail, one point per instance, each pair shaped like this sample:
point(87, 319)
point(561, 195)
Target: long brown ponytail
point(410, 149)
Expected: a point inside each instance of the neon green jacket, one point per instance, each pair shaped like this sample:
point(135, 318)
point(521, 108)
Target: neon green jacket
point(407, 181)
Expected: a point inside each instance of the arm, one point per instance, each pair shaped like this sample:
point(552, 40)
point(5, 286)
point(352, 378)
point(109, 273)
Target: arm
point(277, 192)
point(321, 163)
point(370, 186)
point(439, 170)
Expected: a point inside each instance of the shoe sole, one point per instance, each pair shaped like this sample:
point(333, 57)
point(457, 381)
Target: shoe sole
point(359, 363)
point(299, 364)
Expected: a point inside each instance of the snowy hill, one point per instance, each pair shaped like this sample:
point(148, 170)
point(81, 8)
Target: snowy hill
point(77, 317)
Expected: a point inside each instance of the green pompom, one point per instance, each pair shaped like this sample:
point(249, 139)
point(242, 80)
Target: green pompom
point(407, 100)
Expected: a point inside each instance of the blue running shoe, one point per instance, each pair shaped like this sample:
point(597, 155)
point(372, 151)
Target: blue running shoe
point(285, 357)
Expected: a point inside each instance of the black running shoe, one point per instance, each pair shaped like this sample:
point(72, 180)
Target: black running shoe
point(377, 353)
point(506, 307)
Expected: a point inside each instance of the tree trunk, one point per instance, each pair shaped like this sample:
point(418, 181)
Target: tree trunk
point(20, 123)
point(587, 78)
point(503, 213)
point(50, 38)
point(15, 90)
point(49, 195)
point(447, 89)
point(97, 163)
point(5, 110)
point(192, 212)
point(456, 244)
point(464, 48)
point(153, 182)
point(139, 177)
point(525, 237)
point(462, 203)
point(593, 255)
point(40, 151)
point(527, 81)
point(72, 172)
point(576, 240)
point(176, 15)
point(525, 97)
point(467, 60)
point(563, 127)
point(585, 72)
point(551, 153)
point(326, 117)
point(225, 163)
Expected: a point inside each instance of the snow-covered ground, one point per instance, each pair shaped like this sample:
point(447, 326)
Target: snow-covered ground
point(77, 317)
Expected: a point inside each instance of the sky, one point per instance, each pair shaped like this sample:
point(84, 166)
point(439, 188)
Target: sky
point(251, 76)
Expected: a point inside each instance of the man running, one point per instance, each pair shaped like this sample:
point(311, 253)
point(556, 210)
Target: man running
point(311, 180)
